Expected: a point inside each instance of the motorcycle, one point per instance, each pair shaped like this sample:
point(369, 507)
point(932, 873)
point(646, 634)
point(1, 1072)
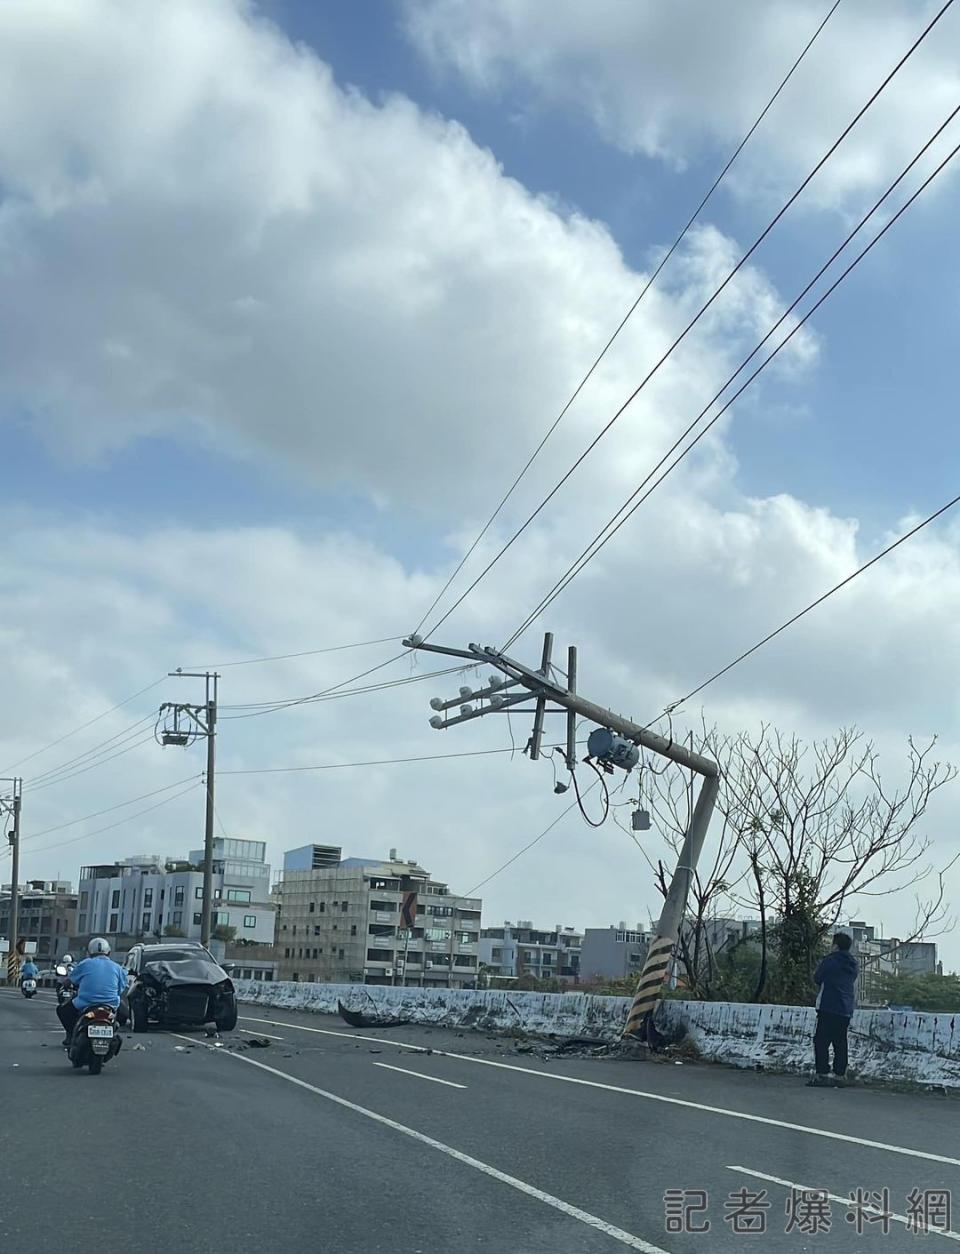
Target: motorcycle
point(28, 987)
point(63, 984)
point(95, 1040)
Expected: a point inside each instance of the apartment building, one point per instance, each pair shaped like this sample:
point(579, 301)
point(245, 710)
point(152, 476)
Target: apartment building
point(46, 915)
point(339, 920)
point(880, 957)
point(519, 949)
point(612, 953)
point(150, 896)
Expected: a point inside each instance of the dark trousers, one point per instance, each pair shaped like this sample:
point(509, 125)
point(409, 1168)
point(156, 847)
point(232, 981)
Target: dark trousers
point(831, 1030)
point(68, 1015)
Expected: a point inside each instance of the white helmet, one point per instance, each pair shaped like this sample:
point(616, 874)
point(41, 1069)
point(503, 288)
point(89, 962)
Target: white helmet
point(66, 959)
point(98, 947)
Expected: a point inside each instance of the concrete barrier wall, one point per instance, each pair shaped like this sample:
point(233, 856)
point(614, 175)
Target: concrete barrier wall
point(884, 1045)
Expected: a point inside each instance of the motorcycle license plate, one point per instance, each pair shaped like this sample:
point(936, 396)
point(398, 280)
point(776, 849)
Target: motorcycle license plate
point(96, 1032)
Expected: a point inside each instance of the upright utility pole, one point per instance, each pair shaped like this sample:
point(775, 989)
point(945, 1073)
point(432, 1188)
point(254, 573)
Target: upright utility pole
point(11, 805)
point(185, 723)
point(613, 744)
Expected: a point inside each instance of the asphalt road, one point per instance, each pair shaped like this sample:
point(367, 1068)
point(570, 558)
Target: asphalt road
point(362, 1142)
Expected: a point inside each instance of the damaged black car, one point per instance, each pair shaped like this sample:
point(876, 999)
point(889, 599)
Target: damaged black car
point(178, 984)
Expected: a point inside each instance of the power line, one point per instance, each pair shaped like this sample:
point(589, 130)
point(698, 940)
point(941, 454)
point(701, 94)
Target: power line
point(536, 840)
point(315, 696)
point(613, 526)
point(696, 318)
point(268, 707)
point(625, 319)
point(129, 819)
point(92, 766)
point(283, 657)
point(341, 766)
point(104, 746)
point(59, 741)
point(109, 810)
point(907, 535)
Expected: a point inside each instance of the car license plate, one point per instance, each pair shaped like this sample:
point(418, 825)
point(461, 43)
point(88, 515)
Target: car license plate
point(96, 1031)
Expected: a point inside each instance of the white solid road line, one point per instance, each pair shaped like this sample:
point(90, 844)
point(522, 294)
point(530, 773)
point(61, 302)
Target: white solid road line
point(844, 1201)
point(565, 1208)
point(652, 1097)
point(420, 1076)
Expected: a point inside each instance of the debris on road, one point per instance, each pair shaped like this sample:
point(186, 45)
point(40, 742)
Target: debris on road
point(258, 1042)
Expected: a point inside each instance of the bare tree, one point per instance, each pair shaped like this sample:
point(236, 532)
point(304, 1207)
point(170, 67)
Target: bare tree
point(805, 830)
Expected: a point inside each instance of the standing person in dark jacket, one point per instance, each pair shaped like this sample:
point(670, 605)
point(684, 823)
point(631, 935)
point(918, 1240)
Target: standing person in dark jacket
point(835, 976)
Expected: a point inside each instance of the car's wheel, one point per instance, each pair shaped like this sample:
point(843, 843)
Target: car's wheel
point(228, 1020)
point(95, 1064)
point(138, 1014)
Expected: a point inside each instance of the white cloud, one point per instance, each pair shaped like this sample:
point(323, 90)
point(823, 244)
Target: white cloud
point(202, 233)
point(239, 251)
point(93, 614)
point(678, 81)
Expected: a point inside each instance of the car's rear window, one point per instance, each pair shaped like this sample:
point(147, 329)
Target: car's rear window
point(175, 955)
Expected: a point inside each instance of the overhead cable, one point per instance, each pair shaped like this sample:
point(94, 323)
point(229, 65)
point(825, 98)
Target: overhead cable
point(89, 723)
point(907, 535)
point(627, 510)
point(696, 318)
point(626, 317)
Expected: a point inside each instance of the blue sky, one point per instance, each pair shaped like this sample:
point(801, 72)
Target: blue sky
point(274, 345)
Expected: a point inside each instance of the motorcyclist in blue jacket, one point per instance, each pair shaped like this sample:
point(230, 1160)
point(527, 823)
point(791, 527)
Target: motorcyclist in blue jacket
point(99, 981)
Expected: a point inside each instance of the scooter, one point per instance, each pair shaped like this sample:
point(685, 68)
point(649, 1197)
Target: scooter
point(28, 987)
point(95, 1040)
point(63, 983)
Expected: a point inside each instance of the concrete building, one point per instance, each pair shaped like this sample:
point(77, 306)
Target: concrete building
point(612, 953)
point(147, 897)
point(519, 949)
point(340, 921)
point(881, 957)
point(46, 916)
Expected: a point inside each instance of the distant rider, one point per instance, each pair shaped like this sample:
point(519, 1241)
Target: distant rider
point(29, 970)
point(99, 981)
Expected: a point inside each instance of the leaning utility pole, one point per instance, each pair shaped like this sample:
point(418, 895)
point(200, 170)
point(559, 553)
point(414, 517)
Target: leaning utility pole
point(10, 805)
point(613, 744)
point(187, 722)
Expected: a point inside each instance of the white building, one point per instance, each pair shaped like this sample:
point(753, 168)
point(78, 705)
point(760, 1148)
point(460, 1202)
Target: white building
point(519, 949)
point(150, 897)
point(340, 920)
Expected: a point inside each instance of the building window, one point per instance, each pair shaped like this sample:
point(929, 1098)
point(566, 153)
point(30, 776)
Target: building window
point(353, 929)
point(383, 905)
point(296, 977)
point(249, 920)
point(178, 895)
point(221, 918)
point(177, 918)
point(344, 906)
point(286, 952)
point(145, 921)
point(113, 923)
point(313, 906)
point(147, 898)
point(294, 929)
point(377, 955)
point(239, 895)
point(323, 907)
point(314, 955)
point(115, 900)
point(82, 922)
point(340, 953)
point(84, 900)
point(197, 918)
point(316, 929)
point(198, 893)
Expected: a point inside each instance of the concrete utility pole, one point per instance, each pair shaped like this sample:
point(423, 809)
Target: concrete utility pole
point(614, 746)
point(11, 805)
point(184, 724)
